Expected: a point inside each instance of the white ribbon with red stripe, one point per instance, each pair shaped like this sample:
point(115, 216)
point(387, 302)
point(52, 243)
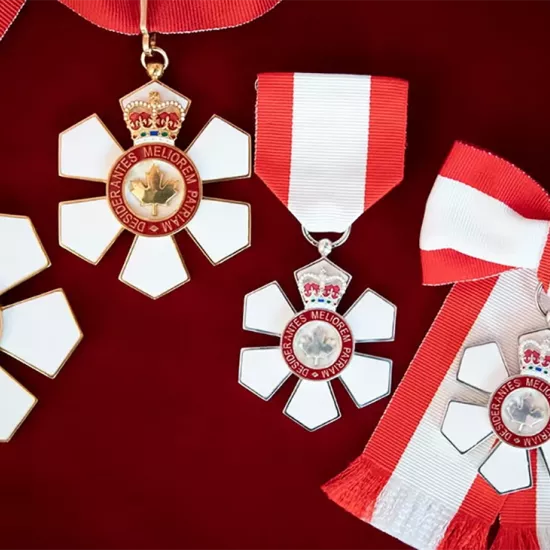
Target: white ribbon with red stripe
point(330, 145)
point(484, 219)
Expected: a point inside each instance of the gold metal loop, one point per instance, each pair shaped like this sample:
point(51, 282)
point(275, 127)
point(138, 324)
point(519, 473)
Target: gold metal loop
point(155, 69)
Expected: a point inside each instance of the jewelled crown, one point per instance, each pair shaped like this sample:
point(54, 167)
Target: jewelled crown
point(154, 120)
point(321, 289)
point(535, 358)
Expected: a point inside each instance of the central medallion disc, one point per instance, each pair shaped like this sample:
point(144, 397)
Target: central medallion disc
point(317, 344)
point(154, 190)
point(519, 411)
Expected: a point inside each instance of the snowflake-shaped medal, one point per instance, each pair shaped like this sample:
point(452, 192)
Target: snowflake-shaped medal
point(41, 332)
point(516, 415)
point(317, 344)
point(154, 189)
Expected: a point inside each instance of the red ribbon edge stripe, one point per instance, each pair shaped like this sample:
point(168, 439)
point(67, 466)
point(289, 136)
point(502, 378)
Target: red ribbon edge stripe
point(171, 16)
point(9, 9)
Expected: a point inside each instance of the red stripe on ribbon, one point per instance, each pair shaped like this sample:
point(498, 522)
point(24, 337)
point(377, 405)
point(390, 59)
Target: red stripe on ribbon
point(170, 16)
point(387, 136)
point(470, 526)
point(8, 12)
point(501, 180)
point(498, 178)
point(444, 265)
point(274, 131)
point(544, 267)
point(436, 355)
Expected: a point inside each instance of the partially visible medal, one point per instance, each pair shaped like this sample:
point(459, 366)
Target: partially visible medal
point(516, 416)
point(329, 146)
point(154, 189)
point(41, 331)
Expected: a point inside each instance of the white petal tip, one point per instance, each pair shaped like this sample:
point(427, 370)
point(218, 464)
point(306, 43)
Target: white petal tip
point(466, 425)
point(87, 150)
point(221, 151)
point(372, 318)
point(312, 405)
point(267, 310)
point(15, 405)
point(154, 266)
point(21, 253)
point(507, 469)
point(482, 367)
point(263, 371)
point(88, 228)
point(41, 332)
point(221, 228)
point(367, 379)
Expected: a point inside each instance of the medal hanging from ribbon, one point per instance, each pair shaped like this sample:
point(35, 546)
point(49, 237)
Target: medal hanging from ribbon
point(154, 190)
point(328, 146)
point(467, 435)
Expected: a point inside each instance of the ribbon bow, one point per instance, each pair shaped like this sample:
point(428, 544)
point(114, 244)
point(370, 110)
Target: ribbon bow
point(484, 216)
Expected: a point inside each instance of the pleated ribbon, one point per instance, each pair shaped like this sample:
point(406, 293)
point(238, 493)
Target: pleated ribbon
point(329, 146)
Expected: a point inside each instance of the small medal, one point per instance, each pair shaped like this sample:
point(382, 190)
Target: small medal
point(517, 414)
point(319, 150)
point(41, 331)
point(154, 189)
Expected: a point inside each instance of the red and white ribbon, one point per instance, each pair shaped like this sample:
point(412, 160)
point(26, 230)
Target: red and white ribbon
point(485, 219)
point(166, 16)
point(330, 145)
point(484, 216)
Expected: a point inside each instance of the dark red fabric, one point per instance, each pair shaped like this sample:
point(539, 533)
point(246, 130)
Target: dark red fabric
point(145, 439)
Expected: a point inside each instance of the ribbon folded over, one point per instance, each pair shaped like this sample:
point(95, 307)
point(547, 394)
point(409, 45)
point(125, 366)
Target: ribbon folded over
point(484, 216)
point(485, 227)
point(330, 145)
point(166, 16)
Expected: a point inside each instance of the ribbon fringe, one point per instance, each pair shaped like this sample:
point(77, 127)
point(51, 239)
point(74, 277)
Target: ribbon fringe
point(363, 487)
point(514, 537)
point(357, 487)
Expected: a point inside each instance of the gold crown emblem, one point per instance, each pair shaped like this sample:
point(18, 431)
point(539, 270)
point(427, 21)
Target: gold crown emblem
point(154, 120)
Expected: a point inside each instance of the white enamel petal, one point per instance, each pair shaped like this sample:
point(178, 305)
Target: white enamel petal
point(88, 228)
point(221, 151)
point(507, 469)
point(372, 318)
point(263, 370)
point(367, 378)
point(482, 367)
point(221, 228)
point(87, 150)
point(465, 425)
point(154, 266)
point(41, 332)
point(21, 252)
point(312, 405)
point(15, 404)
point(267, 310)
point(166, 94)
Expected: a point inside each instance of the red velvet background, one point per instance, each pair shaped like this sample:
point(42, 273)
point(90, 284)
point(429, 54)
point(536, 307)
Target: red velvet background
point(145, 439)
